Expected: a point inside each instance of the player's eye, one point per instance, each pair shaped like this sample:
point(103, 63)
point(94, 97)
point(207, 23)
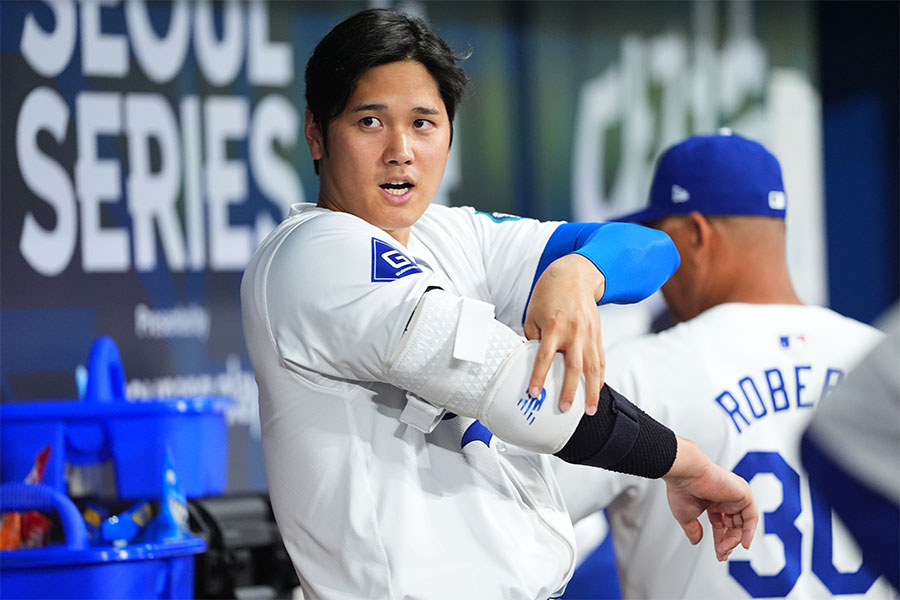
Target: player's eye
point(423, 124)
point(369, 122)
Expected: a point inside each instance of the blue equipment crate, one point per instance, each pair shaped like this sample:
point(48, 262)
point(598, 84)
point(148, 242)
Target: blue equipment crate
point(74, 570)
point(133, 435)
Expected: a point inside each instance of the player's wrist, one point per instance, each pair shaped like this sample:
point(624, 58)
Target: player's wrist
point(690, 462)
point(587, 273)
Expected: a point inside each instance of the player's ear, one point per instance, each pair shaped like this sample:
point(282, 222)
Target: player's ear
point(313, 136)
point(701, 235)
point(699, 230)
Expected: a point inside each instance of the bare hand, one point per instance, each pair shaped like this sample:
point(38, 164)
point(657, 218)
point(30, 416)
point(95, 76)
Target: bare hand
point(695, 484)
point(562, 313)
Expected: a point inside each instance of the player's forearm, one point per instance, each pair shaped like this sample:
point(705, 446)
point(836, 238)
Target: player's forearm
point(621, 437)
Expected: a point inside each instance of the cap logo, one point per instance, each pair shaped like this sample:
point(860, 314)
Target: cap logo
point(679, 194)
point(777, 200)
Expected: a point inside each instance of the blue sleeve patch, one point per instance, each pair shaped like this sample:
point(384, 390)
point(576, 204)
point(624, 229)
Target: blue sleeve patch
point(389, 264)
point(498, 217)
point(476, 432)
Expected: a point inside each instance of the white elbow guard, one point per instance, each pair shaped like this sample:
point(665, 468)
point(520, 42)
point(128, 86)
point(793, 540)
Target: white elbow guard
point(457, 357)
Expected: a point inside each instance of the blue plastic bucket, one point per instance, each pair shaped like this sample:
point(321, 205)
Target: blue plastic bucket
point(131, 435)
point(74, 570)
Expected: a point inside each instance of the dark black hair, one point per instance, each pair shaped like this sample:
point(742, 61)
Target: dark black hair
point(370, 38)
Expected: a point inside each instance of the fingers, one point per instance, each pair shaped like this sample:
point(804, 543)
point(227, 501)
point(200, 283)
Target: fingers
point(740, 514)
point(553, 341)
point(562, 313)
point(594, 371)
point(570, 380)
point(750, 518)
point(732, 520)
point(693, 530)
point(730, 539)
point(731, 529)
point(580, 342)
point(601, 358)
point(726, 538)
point(542, 362)
point(593, 381)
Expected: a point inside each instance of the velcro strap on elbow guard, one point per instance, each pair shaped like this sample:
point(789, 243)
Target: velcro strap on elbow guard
point(624, 433)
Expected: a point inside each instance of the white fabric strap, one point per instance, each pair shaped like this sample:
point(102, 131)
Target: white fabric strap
point(475, 318)
point(420, 414)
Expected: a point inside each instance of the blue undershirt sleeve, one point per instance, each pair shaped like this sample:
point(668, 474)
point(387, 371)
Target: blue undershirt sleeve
point(635, 260)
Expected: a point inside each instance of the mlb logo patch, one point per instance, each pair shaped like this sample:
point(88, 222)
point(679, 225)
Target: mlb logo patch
point(389, 264)
point(792, 341)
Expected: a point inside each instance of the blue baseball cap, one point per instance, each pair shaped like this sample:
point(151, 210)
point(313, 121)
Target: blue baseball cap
point(723, 174)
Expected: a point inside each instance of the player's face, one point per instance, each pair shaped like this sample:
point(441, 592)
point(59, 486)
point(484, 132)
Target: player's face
point(681, 291)
point(387, 150)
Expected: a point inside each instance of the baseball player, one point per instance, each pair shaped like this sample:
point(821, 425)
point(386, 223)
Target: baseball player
point(851, 451)
point(741, 375)
point(405, 420)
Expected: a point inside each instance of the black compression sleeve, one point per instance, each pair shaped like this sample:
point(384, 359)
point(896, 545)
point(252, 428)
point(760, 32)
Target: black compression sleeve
point(621, 437)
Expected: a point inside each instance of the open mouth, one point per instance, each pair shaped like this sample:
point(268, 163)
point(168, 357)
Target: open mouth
point(397, 188)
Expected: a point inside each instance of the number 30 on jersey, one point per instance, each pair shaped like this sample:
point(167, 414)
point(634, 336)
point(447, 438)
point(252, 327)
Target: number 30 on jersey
point(781, 522)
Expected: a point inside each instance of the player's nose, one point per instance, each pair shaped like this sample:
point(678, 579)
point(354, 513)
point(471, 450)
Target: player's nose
point(398, 150)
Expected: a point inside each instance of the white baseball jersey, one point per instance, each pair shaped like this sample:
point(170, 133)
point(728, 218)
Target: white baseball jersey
point(369, 507)
point(741, 380)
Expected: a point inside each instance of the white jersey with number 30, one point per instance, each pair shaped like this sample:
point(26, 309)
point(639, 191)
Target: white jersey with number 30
point(741, 380)
point(370, 507)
